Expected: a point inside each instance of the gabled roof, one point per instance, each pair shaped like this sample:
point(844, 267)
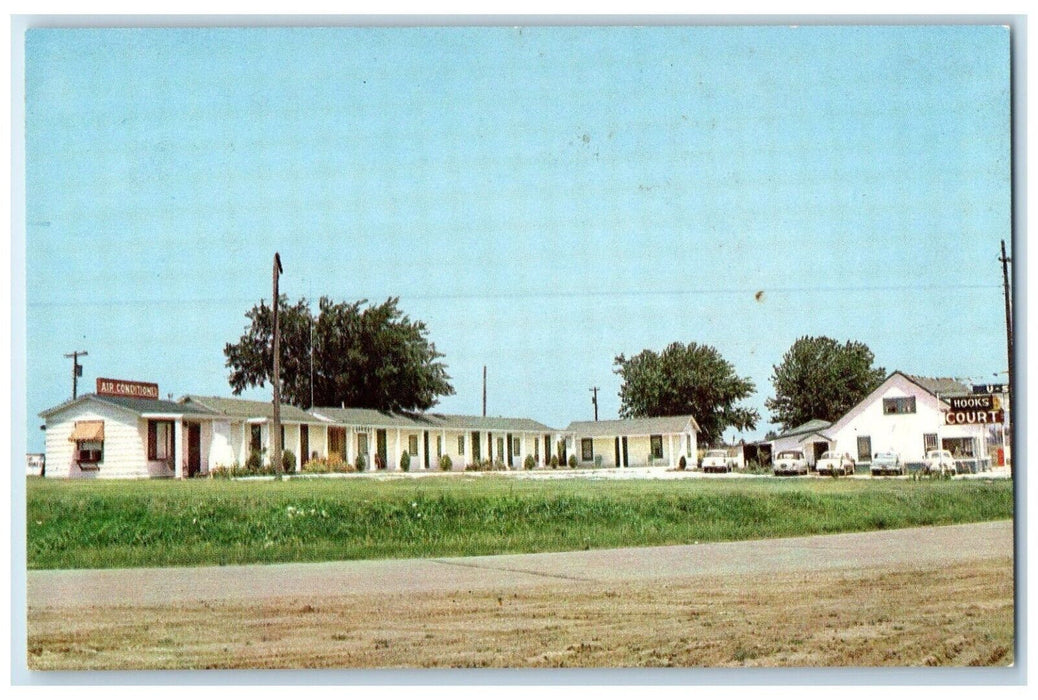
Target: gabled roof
point(135, 405)
point(811, 426)
point(945, 386)
point(633, 426)
point(427, 421)
point(243, 408)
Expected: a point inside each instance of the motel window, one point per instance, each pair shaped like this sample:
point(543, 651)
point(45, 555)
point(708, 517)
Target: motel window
point(515, 447)
point(688, 446)
point(929, 442)
point(160, 439)
point(89, 436)
point(899, 406)
point(587, 450)
point(501, 448)
point(656, 446)
point(439, 445)
point(461, 444)
point(412, 445)
point(362, 444)
point(255, 438)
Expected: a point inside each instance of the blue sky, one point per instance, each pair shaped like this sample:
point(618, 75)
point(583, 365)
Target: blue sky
point(543, 198)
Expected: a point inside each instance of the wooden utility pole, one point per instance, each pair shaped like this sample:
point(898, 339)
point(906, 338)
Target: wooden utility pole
point(77, 370)
point(1005, 260)
point(594, 399)
point(275, 438)
point(484, 391)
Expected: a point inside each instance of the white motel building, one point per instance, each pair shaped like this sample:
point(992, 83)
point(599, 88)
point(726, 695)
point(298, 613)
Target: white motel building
point(124, 430)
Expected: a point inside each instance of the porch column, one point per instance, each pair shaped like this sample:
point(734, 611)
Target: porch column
point(349, 435)
point(178, 448)
point(446, 449)
point(399, 448)
point(670, 448)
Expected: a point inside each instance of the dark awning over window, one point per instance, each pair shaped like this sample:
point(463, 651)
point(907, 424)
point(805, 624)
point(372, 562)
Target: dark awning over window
point(88, 431)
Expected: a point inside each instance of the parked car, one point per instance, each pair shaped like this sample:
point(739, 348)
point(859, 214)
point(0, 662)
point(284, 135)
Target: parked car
point(939, 462)
point(790, 462)
point(718, 460)
point(835, 463)
point(887, 463)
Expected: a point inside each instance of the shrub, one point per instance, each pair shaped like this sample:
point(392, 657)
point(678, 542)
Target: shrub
point(445, 463)
point(682, 464)
point(288, 461)
point(529, 463)
point(572, 461)
point(254, 462)
point(598, 460)
point(478, 465)
point(499, 465)
point(333, 463)
point(405, 461)
point(554, 462)
point(361, 463)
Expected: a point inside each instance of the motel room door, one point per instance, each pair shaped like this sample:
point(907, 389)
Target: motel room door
point(194, 449)
point(380, 448)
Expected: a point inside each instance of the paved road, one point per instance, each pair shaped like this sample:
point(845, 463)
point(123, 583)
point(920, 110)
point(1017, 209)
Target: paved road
point(878, 550)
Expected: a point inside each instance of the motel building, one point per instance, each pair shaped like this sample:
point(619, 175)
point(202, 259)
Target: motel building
point(124, 430)
point(906, 414)
point(635, 442)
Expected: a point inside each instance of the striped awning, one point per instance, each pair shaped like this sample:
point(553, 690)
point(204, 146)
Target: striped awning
point(88, 431)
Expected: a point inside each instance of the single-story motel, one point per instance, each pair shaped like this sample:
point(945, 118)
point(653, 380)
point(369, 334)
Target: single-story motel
point(124, 430)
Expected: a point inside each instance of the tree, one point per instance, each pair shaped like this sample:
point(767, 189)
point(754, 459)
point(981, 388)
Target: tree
point(819, 378)
point(686, 379)
point(373, 357)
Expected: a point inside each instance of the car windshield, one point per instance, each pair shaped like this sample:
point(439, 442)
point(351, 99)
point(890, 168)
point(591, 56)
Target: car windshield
point(831, 455)
point(716, 453)
point(789, 455)
point(939, 453)
point(884, 455)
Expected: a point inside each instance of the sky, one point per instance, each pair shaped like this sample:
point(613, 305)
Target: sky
point(543, 198)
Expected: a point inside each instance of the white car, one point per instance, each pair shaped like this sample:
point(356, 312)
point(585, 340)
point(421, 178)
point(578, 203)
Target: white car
point(887, 463)
point(939, 462)
point(835, 463)
point(718, 460)
point(790, 462)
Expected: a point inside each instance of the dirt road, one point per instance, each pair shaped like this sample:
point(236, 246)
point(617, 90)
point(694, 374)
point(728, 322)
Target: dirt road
point(925, 596)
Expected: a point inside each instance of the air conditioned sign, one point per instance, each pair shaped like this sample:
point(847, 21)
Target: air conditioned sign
point(127, 388)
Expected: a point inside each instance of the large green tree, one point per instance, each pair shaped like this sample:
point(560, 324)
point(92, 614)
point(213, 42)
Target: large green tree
point(686, 379)
point(820, 378)
point(363, 356)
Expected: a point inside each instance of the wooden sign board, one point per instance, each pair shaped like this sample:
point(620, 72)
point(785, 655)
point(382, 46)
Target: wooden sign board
point(974, 417)
point(127, 389)
point(976, 402)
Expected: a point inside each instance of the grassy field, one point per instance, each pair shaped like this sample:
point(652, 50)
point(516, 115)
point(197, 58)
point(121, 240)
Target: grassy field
point(170, 523)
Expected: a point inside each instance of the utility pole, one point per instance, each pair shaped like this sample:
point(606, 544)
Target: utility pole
point(77, 369)
point(275, 438)
point(594, 400)
point(484, 391)
point(1005, 260)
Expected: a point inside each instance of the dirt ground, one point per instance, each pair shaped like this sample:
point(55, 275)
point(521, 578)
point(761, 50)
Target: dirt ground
point(934, 615)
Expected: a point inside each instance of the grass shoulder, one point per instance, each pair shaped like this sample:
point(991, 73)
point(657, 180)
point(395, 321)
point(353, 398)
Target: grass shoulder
point(173, 523)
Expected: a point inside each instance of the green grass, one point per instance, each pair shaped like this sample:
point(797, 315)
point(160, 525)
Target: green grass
point(170, 523)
